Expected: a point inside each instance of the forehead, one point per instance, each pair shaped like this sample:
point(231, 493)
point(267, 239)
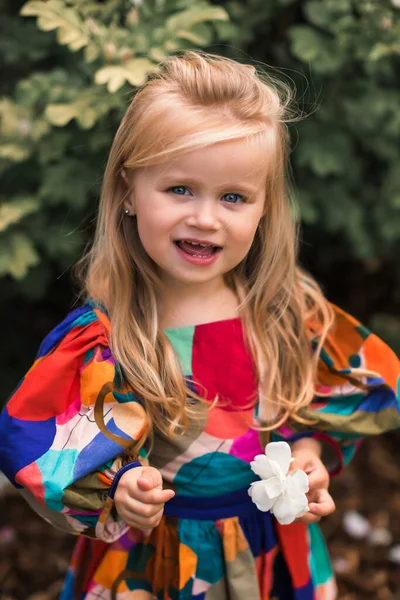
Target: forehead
point(224, 162)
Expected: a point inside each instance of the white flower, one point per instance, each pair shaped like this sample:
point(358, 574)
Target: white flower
point(278, 491)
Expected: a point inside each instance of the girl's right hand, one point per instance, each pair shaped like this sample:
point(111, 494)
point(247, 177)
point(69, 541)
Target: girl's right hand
point(139, 497)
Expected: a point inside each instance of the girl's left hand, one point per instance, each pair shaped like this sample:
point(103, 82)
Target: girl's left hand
point(320, 501)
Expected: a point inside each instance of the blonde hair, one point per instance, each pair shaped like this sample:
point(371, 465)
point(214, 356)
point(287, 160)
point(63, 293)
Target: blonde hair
point(190, 102)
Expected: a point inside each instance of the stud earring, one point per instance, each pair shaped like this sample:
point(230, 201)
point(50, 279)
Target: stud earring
point(126, 211)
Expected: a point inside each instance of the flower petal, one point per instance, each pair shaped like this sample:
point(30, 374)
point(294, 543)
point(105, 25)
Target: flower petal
point(281, 453)
point(258, 494)
point(297, 483)
point(274, 487)
point(282, 510)
point(287, 510)
point(262, 466)
point(302, 511)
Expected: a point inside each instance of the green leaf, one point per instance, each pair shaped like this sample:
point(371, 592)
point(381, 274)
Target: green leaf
point(14, 152)
point(306, 43)
point(318, 13)
point(197, 14)
point(199, 35)
point(91, 52)
point(321, 51)
point(114, 77)
point(68, 182)
point(12, 212)
point(381, 50)
point(137, 69)
point(17, 255)
point(134, 71)
point(54, 14)
point(60, 114)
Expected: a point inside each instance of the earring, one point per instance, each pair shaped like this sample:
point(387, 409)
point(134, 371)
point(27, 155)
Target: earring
point(126, 211)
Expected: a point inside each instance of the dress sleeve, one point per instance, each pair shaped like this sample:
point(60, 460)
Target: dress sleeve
point(67, 426)
point(357, 392)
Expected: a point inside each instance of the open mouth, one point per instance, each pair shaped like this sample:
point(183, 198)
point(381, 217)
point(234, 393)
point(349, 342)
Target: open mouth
point(197, 249)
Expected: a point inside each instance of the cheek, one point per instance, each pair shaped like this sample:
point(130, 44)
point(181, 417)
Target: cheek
point(244, 235)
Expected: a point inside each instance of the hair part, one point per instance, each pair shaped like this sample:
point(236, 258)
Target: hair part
point(193, 101)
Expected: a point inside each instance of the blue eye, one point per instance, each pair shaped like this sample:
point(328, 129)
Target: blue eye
point(179, 189)
point(232, 198)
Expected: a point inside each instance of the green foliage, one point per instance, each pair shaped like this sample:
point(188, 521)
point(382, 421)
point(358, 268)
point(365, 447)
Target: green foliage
point(346, 159)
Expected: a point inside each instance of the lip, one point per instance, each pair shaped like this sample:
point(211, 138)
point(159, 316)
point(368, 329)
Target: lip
point(197, 260)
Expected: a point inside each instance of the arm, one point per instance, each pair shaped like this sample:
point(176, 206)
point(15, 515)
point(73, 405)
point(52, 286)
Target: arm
point(67, 426)
point(356, 393)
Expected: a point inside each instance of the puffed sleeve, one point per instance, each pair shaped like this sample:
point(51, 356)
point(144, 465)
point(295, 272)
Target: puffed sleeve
point(65, 429)
point(357, 392)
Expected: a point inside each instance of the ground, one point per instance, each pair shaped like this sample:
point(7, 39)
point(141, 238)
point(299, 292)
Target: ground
point(34, 556)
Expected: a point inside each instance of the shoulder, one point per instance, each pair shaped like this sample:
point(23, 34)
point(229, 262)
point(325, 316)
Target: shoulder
point(74, 358)
point(351, 349)
point(84, 326)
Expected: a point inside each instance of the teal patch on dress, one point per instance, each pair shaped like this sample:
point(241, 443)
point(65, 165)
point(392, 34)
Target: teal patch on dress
point(363, 331)
point(355, 361)
point(326, 358)
point(57, 468)
point(202, 537)
point(344, 435)
point(123, 398)
point(348, 453)
point(320, 566)
point(138, 560)
point(85, 319)
point(182, 342)
point(213, 474)
point(398, 390)
point(342, 405)
point(143, 452)
point(88, 520)
point(118, 376)
point(88, 356)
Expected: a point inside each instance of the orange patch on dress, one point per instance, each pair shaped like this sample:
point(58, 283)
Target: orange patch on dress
point(93, 377)
point(106, 571)
point(380, 358)
point(233, 538)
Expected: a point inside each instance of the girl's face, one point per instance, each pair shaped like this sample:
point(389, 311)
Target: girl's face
point(197, 215)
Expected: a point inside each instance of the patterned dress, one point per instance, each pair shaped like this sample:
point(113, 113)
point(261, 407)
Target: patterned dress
point(65, 429)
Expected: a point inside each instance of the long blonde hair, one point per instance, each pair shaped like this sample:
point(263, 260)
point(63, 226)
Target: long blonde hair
point(190, 102)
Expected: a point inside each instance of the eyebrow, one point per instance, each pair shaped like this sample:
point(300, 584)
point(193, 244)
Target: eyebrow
point(230, 185)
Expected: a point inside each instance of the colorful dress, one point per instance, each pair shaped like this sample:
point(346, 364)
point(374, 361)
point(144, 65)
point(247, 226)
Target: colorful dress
point(66, 427)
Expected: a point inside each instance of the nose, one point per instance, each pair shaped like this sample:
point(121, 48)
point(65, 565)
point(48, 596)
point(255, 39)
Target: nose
point(204, 215)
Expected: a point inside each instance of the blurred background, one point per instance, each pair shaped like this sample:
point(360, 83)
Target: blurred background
point(68, 68)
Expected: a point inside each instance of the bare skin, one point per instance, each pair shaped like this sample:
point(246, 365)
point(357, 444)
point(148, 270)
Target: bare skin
point(306, 453)
point(140, 498)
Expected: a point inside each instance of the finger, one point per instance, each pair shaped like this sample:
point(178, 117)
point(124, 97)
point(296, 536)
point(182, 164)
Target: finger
point(134, 506)
point(318, 478)
point(308, 518)
point(143, 522)
point(150, 478)
point(324, 506)
point(152, 496)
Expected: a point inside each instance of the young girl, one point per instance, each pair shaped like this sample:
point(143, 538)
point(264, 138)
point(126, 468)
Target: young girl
point(136, 425)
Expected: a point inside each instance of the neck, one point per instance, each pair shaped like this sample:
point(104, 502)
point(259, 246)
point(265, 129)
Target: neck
point(186, 304)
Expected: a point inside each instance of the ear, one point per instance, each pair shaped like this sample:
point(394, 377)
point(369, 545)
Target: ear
point(124, 175)
point(129, 205)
